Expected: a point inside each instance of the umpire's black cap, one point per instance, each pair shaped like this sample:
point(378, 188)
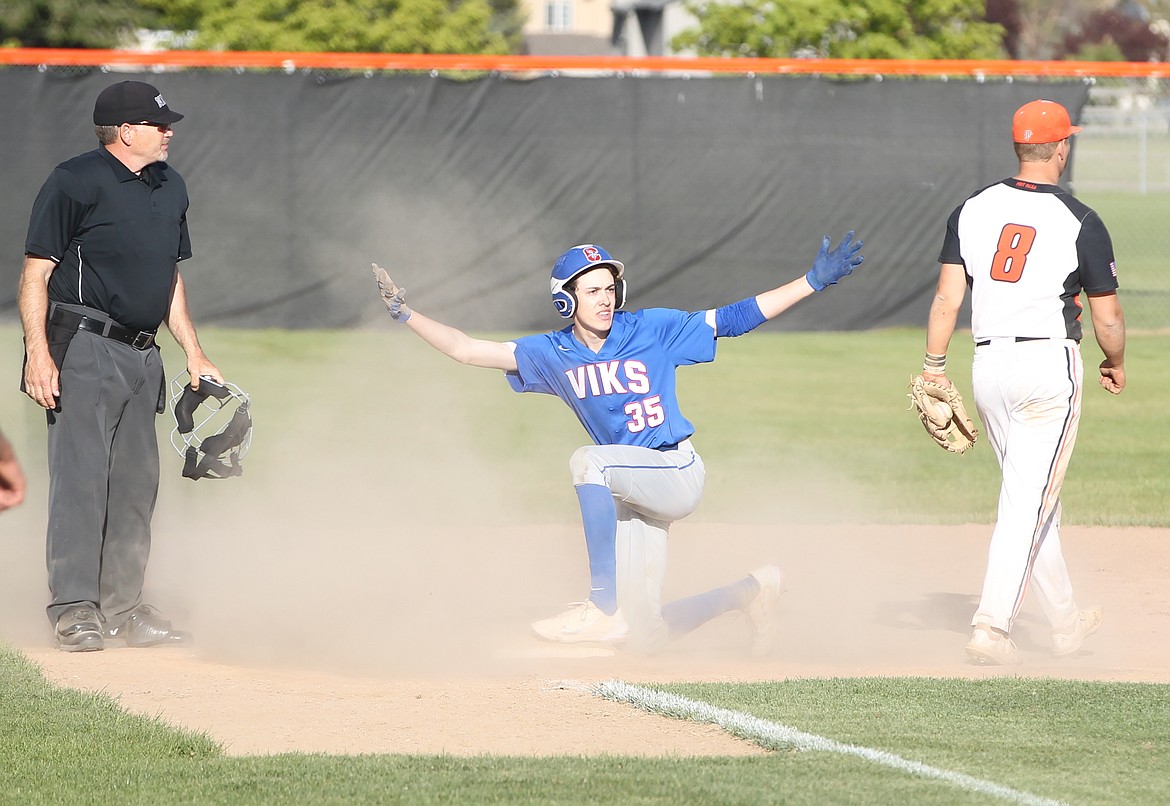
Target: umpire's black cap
point(132, 102)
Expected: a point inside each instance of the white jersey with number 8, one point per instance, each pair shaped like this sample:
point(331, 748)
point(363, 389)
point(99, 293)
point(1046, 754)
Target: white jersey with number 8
point(1028, 250)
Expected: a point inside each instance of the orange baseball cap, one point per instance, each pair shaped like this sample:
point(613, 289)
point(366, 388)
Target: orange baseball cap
point(1042, 122)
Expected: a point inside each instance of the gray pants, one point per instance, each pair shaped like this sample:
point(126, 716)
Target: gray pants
point(103, 476)
point(651, 490)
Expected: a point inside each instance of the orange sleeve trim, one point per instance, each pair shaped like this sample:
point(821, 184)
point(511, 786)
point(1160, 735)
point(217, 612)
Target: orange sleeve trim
point(292, 60)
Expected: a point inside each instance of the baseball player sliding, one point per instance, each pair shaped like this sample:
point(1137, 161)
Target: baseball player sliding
point(1027, 249)
point(616, 371)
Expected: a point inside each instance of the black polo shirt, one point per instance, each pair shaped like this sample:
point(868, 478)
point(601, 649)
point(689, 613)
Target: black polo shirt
point(114, 236)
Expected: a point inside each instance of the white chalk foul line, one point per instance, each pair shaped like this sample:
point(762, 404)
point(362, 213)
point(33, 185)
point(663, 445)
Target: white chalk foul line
point(774, 736)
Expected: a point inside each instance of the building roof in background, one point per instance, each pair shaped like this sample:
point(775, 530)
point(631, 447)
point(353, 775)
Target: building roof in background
point(550, 44)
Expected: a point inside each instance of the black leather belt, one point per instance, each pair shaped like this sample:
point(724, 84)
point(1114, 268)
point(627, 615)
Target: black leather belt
point(673, 447)
point(138, 339)
point(986, 342)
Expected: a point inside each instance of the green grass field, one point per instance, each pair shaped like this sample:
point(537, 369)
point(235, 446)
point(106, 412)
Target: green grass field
point(801, 426)
point(1046, 741)
point(818, 420)
point(793, 427)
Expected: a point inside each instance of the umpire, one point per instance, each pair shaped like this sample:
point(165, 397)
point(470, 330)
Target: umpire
point(100, 276)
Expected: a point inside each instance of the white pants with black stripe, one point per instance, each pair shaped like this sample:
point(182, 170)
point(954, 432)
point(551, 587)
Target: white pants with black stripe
point(1028, 395)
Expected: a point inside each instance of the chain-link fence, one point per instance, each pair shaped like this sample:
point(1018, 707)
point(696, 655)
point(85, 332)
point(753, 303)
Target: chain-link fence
point(1121, 166)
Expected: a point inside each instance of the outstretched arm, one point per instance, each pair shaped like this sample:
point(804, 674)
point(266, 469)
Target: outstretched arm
point(449, 341)
point(830, 266)
point(775, 302)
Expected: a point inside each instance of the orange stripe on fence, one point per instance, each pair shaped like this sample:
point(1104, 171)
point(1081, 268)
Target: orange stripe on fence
point(613, 64)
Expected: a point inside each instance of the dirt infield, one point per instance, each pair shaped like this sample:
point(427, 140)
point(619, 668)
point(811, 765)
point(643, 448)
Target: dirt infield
point(384, 650)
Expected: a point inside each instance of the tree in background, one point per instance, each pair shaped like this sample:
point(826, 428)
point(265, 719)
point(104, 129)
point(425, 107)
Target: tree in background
point(929, 29)
point(382, 26)
point(1007, 13)
point(359, 26)
point(1093, 30)
point(877, 29)
point(1040, 26)
point(1117, 34)
point(72, 24)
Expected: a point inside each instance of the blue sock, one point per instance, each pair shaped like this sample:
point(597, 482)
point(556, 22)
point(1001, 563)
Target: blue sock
point(684, 615)
point(599, 517)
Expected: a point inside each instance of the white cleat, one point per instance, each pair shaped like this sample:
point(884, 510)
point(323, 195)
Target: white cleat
point(1068, 639)
point(763, 612)
point(583, 622)
point(990, 648)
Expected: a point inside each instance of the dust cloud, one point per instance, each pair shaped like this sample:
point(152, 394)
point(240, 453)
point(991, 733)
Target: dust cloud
point(391, 521)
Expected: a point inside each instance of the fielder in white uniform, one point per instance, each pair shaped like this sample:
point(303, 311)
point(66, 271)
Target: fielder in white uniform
point(1027, 249)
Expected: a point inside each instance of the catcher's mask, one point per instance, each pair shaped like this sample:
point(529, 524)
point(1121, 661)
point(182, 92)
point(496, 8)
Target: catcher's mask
point(572, 265)
point(213, 428)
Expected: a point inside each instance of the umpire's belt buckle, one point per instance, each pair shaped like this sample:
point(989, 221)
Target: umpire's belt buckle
point(74, 320)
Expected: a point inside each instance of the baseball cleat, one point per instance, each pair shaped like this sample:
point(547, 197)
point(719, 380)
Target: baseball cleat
point(1068, 639)
point(763, 612)
point(990, 648)
point(583, 622)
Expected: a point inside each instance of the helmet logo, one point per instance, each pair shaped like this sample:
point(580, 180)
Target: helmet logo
point(576, 262)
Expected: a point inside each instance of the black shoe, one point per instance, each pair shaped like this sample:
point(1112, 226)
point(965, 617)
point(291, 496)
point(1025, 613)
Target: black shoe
point(79, 630)
point(146, 627)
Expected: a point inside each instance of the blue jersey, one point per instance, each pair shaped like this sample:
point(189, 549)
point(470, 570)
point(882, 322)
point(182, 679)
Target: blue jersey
point(626, 393)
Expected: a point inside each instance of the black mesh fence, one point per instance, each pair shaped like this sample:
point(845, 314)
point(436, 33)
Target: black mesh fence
point(709, 188)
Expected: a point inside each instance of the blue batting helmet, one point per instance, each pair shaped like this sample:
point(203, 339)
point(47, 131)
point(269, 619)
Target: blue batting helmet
point(573, 264)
